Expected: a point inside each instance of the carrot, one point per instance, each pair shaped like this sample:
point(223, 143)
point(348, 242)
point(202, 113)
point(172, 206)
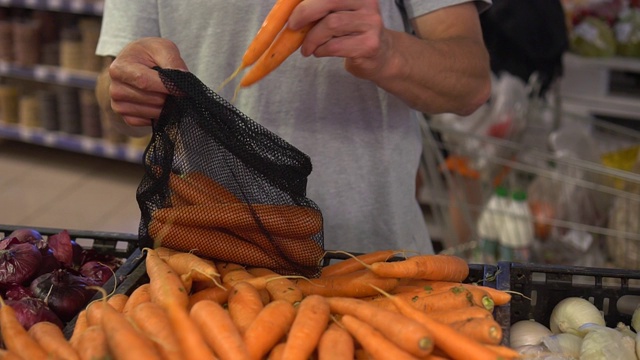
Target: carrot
point(276, 352)
point(460, 314)
point(118, 301)
point(197, 188)
point(273, 23)
point(231, 273)
point(484, 330)
point(287, 41)
point(124, 341)
point(214, 244)
point(362, 354)
point(268, 328)
point(505, 351)
point(186, 263)
point(219, 331)
point(312, 318)
point(152, 320)
point(453, 343)
point(52, 340)
point(9, 355)
point(278, 287)
point(192, 341)
point(219, 295)
point(498, 296)
point(15, 336)
point(80, 326)
point(244, 305)
point(455, 298)
point(306, 251)
point(356, 262)
point(403, 331)
point(165, 286)
point(138, 296)
point(336, 344)
point(355, 284)
point(372, 341)
point(288, 221)
point(92, 344)
point(429, 267)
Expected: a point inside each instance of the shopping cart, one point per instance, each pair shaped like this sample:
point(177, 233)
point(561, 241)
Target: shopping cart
point(582, 189)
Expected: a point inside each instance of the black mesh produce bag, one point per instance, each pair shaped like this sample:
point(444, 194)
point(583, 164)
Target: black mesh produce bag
point(224, 187)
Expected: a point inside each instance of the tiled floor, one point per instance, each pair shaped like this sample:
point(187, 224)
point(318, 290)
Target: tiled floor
point(43, 187)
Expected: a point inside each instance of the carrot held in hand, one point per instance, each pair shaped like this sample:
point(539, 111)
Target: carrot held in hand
point(270, 28)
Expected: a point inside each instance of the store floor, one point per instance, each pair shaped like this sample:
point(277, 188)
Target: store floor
point(43, 187)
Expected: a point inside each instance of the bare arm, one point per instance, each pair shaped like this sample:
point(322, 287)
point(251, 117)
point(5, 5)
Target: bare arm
point(444, 69)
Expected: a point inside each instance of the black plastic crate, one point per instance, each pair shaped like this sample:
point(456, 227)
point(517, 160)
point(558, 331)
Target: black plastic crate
point(615, 292)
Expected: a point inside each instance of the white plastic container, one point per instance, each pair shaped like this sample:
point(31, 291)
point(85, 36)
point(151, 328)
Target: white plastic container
point(490, 223)
point(517, 232)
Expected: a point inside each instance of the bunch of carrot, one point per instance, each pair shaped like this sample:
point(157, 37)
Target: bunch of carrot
point(272, 45)
point(206, 216)
point(365, 307)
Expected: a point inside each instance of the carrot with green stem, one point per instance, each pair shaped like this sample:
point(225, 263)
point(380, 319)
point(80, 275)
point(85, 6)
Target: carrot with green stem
point(372, 341)
point(15, 336)
point(272, 25)
point(454, 298)
point(453, 343)
point(219, 330)
point(484, 330)
point(269, 327)
point(406, 333)
point(312, 318)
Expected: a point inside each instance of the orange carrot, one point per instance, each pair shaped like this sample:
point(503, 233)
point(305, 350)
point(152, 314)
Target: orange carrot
point(453, 343)
point(125, 342)
point(80, 325)
point(219, 331)
point(244, 305)
point(193, 343)
point(138, 296)
point(276, 352)
point(219, 295)
point(354, 284)
point(362, 354)
point(289, 221)
point(52, 340)
point(197, 188)
point(372, 341)
point(186, 263)
point(356, 262)
point(311, 320)
point(499, 297)
point(403, 331)
point(484, 330)
point(278, 287)
point(282, 47)
point(16, 338)
point(152, 320)
point(118, 301)
point(429, 267)
point(460, 314)
point(336, 344)
point(455, 298)
point(165, 286)
point(269, 328)
point(92, 344)
point(505, 351)
point(9, 355)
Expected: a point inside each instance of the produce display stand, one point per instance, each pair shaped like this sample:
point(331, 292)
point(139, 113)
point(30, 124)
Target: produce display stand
point(616, 292)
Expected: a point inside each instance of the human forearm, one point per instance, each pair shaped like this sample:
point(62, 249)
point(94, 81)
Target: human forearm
point(434, 76)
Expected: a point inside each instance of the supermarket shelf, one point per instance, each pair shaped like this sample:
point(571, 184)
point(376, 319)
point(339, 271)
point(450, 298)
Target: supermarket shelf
point(71, 142)
point(50, 74)
point(82, 7)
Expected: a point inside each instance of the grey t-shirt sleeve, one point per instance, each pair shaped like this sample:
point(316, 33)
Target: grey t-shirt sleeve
point(124, 21)
point(416, 8)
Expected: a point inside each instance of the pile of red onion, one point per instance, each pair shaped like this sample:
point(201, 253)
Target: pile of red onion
point(48, 279)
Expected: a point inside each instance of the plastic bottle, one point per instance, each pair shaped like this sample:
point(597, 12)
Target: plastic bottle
point(489, 224)
point(517, 233)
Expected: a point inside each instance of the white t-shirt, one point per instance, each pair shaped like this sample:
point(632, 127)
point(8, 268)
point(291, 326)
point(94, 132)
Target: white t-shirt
point(364, 143)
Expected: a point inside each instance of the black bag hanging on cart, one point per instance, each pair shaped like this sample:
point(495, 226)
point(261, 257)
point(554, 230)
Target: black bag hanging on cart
point(224, 187)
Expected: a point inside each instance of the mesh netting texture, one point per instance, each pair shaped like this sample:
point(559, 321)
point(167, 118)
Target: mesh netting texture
point(224, 187)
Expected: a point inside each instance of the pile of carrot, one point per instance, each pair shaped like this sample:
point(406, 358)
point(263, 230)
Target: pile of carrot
point(365, 307)
point(208, 218)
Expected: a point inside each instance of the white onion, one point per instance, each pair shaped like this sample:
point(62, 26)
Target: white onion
point(603, 343)
point(527, 332)
point(573, 312)
point(566, 344)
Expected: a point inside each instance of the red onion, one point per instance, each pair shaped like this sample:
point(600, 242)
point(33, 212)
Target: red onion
point(18, 262)
point(63, 291)
point(96, 271)
point(30, 311)
point(17, 292)
point(62, 248)
point(26, 235)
